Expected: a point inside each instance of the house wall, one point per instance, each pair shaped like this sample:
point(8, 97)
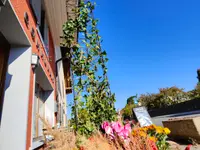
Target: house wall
point(16, 100)
point(20, 7)
point(18, 106)
point(61, 84)
point(16, 96)
point(49, 108)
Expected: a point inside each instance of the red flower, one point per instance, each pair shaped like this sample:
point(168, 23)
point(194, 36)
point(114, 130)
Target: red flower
point(91, 139)
point(81, 148)
point(188, 147)
point(153, 145)
point(133, 122)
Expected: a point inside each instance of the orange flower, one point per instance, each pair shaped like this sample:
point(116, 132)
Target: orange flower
point(152, 138)
point(134, 132)
point(152, 127)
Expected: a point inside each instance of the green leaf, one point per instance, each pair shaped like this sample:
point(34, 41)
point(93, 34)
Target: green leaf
point(104, 53)
point(99, 61)
point(106, 59)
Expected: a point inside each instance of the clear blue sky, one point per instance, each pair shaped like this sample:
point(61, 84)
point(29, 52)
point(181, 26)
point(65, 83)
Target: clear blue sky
point(150, 44)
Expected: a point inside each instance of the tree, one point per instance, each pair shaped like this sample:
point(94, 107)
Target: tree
point(127, 111)
point(195, 93)
point(130, 100)
point(165, 97)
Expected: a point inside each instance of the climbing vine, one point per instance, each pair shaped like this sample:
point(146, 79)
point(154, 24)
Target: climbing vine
point(93, 100)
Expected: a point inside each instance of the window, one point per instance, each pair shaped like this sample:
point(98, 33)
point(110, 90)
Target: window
point(38, 109)
point(36, 6)
point(44, 30)
point(41, 19)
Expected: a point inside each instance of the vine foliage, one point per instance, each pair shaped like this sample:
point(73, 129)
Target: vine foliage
point(93, 100)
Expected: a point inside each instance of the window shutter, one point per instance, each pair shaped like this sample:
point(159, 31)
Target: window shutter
point(36, 6)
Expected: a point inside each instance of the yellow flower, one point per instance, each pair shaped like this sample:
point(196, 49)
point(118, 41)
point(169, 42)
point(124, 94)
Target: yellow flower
point(152, 138)
point(154, 126)
point(159, 130)
point(166, 131)
point(145, 129)
point(142, 133)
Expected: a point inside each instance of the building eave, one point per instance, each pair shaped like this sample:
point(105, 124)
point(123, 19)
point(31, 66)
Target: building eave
point(57, 15)
point(58, 11)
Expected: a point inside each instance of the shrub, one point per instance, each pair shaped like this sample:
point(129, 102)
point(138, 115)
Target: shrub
point(165, 97)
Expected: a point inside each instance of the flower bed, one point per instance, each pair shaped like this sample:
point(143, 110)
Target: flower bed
point(114, 136)
point(151, 137)
point(156, 134)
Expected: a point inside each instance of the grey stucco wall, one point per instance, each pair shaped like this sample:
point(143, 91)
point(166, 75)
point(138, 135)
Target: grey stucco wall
point(60, 73)
point(15, 108)
point(49, 108)
point(61, 85)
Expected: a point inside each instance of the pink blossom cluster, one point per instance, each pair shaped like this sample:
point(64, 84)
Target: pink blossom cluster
point(115, 128)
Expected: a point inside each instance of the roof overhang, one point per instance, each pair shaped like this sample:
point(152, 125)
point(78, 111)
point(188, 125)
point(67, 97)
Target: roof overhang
point(58, 12)
point(57, 16)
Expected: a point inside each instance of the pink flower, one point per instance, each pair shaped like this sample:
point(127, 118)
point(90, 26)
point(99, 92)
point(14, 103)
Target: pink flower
point(124, 133)
point(105, 124)
point(127, 127)
point(108, 130)
point(117, 127)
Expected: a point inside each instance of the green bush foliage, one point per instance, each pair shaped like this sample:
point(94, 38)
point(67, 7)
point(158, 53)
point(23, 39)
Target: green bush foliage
point(165, 97)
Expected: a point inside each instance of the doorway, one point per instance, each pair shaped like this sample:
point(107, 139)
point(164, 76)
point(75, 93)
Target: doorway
point(38, 111)
point(4, 54)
